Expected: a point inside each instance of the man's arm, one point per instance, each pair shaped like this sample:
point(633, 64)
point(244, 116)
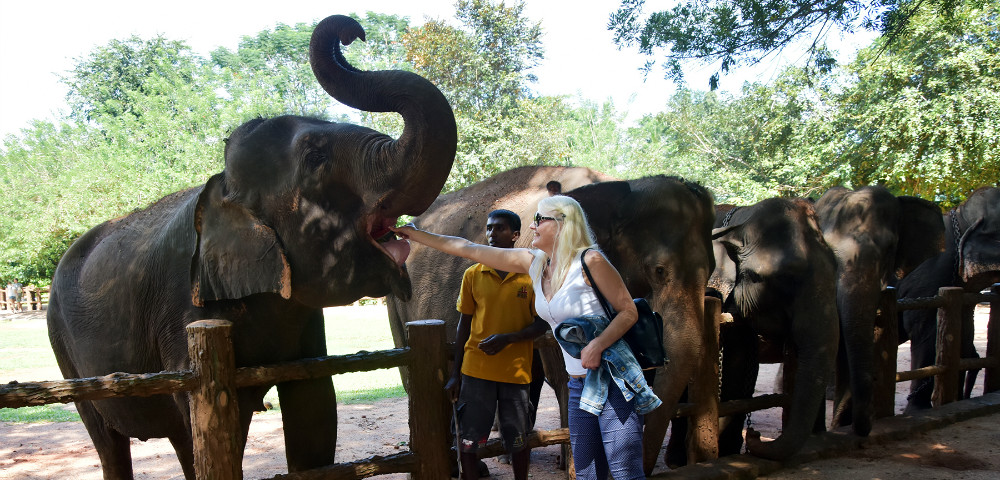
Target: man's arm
point(461, 337)
point(495, 343)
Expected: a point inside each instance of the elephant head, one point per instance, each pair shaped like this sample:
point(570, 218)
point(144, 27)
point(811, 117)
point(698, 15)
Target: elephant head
point(975, 229)
point(971, 260)
point(303, 205)
point(777, 277)
point(294, 222)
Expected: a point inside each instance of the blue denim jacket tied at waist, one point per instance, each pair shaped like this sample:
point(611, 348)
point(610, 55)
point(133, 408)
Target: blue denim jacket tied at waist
point(617, 362)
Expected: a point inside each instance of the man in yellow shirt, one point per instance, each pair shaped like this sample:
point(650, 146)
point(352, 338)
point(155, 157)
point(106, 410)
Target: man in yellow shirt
point(493, 354)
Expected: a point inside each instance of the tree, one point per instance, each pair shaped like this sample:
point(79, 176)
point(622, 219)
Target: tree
point(483, 70)
point(485, 66)
point(112, 79)
point(269, 73)
point(923, 117)
point(734, 32)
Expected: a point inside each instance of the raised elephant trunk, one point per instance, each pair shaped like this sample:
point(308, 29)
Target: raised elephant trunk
point(429, 136)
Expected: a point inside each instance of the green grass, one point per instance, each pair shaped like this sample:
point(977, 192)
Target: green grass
point(24, 347)
point(41, 413)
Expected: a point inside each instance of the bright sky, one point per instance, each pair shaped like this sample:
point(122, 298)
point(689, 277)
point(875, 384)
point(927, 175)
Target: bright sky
point(40, 39)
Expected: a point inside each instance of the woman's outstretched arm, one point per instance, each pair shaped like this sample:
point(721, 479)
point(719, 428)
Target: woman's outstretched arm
point(517, 260)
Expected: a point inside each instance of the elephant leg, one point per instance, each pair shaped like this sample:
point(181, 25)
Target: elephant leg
point(537, 381)
point(112, 447)
point(676, 454)
point(921, 327)
point(309, 419)
point(813, 359)
point(740, 367)
point(184, 448)
point(968, 348)
point(554, 368)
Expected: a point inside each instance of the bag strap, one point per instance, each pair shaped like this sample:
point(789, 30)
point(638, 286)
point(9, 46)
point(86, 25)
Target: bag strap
point(600, 298)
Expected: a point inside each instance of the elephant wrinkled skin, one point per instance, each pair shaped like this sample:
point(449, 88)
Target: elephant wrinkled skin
point(287, 228)
point(877, 238)
point(971, 260)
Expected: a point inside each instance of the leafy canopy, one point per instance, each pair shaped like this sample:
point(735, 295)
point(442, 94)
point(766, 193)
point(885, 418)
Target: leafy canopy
point(729, 33)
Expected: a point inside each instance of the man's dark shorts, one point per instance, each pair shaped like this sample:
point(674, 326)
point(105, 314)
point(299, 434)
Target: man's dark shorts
point(478, 404)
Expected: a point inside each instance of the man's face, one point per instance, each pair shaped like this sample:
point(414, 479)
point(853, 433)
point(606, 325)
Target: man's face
point(499, 233)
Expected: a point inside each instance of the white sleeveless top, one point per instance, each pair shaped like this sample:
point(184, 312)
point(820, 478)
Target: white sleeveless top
point(575, 298)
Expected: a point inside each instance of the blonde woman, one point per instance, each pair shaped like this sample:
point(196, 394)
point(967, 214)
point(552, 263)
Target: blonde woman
point(610, 442)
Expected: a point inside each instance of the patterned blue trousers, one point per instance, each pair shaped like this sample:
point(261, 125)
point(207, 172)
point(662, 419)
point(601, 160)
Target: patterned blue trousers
point(607, 443)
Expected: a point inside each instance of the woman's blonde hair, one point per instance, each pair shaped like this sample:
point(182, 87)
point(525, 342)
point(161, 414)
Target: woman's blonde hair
point(572, 236)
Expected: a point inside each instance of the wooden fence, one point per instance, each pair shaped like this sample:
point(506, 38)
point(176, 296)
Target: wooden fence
point(31, 298)
point(213, 379)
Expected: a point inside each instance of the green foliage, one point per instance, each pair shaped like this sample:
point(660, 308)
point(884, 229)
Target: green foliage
point(729, 33)
point(917, 111)
point(923, 117)
point(41, 413)
point(482, 68)
point(485, 66)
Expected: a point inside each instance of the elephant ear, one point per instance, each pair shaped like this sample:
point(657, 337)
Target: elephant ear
point(726, 244)
point(235, 255)
point(921, 233)
point(597, 201)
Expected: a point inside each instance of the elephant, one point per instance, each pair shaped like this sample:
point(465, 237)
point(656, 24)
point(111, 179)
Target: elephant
point(971, 260)
point(777, 278)
point(296, 221)
point(655, 230)
point(877, 238)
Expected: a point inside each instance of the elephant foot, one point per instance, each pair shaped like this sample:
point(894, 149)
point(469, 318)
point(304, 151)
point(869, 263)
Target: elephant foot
point(916, 406)
point(862, 424)
point(772, 450)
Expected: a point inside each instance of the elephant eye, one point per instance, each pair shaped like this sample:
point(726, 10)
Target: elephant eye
point(314, 159)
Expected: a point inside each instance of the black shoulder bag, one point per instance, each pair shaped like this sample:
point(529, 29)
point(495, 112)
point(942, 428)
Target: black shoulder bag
point(645, 338)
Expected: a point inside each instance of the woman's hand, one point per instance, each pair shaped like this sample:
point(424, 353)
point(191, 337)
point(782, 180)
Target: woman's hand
point(590, 356)
point(404, 230)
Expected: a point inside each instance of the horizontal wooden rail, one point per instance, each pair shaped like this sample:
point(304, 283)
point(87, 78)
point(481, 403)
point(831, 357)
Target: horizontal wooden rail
point(919, 303)
point(919, 373)
point(537, 438)
point(376, 465)
point(321, 367)
point(28, 394)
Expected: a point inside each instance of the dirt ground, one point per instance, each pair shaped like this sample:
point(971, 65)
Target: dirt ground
point(966, 450)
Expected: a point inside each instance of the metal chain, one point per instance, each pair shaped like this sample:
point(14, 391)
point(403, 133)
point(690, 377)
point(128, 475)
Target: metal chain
point(957, 238)
point(729, 216)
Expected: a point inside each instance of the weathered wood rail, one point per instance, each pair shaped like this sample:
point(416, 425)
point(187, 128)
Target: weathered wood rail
point(213, 380)
point(32, 298)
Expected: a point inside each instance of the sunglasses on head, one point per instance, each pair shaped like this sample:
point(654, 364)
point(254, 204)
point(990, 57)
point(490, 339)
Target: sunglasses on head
point(539, 218)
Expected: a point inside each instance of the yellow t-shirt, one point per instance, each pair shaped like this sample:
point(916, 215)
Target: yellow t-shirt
point(497, 306)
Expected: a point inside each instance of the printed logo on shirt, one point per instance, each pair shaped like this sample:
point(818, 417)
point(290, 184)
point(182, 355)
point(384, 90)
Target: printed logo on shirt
point(523, 292)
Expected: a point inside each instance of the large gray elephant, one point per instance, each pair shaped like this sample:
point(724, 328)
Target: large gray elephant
point(655, 230)
point(291, 225)
point(777, 278)
point(971, 260)
point(877, 239)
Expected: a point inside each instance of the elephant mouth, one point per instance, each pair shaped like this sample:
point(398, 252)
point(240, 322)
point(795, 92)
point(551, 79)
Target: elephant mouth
point(386, 240)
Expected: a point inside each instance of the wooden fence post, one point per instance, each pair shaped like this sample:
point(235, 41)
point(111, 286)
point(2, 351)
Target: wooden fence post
point(429, 404)
point(886, 346)
point(215, 426)
point(991, 380)
point(703, 439)
point(949, 353)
